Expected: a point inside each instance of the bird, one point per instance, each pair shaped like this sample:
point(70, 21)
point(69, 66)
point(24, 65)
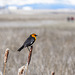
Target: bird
point(29, 41)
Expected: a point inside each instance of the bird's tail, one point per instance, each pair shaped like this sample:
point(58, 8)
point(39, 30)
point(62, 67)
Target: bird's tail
point(21, 48)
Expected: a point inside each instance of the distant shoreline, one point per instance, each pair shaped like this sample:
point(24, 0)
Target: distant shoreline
point(40, 18)
point(38, 11)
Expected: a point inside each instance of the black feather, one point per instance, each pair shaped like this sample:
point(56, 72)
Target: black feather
point(21, 48)
point(29, 41)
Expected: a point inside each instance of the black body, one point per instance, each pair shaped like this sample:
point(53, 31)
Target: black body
point(30, 40)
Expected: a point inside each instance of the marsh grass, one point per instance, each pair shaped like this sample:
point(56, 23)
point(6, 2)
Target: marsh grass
point(54, 49)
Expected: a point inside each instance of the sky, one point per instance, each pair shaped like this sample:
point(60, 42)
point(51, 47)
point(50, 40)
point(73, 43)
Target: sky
point(39, 4)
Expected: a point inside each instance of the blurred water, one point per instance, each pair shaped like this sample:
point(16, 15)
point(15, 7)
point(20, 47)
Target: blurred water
point(26, 23)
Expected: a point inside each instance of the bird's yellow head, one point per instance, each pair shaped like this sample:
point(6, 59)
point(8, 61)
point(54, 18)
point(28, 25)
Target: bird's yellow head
point(34, 35)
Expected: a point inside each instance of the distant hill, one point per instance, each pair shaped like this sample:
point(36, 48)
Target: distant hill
point(43, 6)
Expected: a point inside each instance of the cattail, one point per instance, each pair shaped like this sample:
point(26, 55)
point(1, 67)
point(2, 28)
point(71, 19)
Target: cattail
point(53, 73)
point(29, 58)
point(30, 54)
point(23, 69)
point(6, 55)
point(5, 59)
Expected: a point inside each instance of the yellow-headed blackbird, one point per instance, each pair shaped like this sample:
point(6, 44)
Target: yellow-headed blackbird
point(30, 40)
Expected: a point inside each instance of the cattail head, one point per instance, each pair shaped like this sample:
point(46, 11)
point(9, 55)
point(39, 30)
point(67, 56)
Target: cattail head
point(22, 70)
point(6, 55)
point(53, 73)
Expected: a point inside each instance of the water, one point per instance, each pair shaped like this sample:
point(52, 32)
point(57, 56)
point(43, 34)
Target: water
point(29, 23)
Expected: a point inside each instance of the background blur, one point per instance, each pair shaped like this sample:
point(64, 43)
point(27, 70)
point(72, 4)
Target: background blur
point(54, 23)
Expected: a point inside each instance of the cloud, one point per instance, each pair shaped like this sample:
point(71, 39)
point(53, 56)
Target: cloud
point(23, 2)
point(27, 8)
point(39, 1)
point(72, 2)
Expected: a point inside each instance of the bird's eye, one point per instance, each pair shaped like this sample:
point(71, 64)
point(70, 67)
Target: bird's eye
point(36, 35)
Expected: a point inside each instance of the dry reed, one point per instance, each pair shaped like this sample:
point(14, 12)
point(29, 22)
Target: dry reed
point(5, 59)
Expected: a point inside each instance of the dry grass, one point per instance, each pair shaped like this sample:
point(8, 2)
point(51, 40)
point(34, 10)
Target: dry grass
point(54, 49)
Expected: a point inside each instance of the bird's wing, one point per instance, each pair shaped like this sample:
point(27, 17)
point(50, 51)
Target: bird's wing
point(29, 41)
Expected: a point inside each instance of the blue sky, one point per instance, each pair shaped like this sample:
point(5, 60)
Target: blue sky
point(40, 4)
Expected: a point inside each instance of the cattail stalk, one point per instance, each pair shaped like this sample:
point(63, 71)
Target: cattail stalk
point(29, 58)
point(5, 59)
point(24, 69)
point(30, 54)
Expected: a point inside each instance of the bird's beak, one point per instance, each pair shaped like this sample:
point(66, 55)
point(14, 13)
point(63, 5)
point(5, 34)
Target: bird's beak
point(36, 35)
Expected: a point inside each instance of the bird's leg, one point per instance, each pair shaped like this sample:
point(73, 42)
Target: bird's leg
point(28, 48)
point(31, 47)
